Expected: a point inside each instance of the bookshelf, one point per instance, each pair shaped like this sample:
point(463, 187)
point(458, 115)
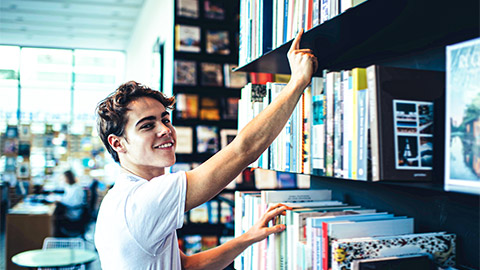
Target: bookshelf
point(402, 33)
point(204, 34)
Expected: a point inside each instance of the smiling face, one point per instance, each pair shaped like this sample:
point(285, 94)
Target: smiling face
point(148, 145)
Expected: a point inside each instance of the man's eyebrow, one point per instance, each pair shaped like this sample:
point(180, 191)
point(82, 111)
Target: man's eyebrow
point(165, 113)
point(148, 118)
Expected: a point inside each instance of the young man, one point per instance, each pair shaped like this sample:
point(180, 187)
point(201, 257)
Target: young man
point(138, 218)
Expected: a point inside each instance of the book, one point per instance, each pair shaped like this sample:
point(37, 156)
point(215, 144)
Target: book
point(184, 143)
point(318, 127)
point(185, 72)
point(412, 261)
point(360, 228)
point(402, 106)
point(209, 109)
point(207, 139)
point(439, 245)
point(462, 143)
point(229, 108)
point(186, 106)
point(214, 9)
point(217, 42)
point(227, 136)
point(187, 38)
point(237, 79)
point(187, 8)
point(211, 74)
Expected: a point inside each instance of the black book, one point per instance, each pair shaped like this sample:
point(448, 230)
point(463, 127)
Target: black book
point(406, 122)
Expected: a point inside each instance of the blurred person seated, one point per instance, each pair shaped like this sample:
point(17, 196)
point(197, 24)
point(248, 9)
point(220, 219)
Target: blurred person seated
point(71, 213)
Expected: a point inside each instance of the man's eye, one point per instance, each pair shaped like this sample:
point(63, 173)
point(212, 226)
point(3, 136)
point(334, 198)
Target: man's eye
point(166, 121)
point(147, 126)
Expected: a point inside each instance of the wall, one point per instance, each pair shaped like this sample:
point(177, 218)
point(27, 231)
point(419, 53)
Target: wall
point(155, 20)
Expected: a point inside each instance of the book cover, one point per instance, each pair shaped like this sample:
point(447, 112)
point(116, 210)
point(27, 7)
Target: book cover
point(186, 106)
point(185, 72)
point(209, 109)
point(214, 9)
point(227, 136)
point(207, 139)
point(462, 144)
point(218, 42)
point(229, 108)
point(211, 74)
point(440, 246)
point(184, 143)
point(187, 38)
point(406, 122)
point(187, 8)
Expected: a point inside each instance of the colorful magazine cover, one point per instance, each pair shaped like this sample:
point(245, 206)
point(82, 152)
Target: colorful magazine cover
point(218, 42)
point(462, 144)
point(185, 73)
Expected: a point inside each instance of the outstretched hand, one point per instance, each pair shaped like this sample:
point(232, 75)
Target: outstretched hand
point(260, 230)
point(303, 63)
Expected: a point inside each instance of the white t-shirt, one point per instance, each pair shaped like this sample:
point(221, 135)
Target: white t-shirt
point(137, 223)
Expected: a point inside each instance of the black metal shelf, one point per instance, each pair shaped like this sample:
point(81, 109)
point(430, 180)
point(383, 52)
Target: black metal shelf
point(378, 30)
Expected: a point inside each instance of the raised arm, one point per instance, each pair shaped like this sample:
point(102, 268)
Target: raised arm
point(212, 176)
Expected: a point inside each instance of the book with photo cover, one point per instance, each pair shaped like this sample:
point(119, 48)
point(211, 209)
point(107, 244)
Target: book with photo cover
point(187, 38)
point(230, 108)
point(406, 123)
point(209, 109)
point(185, 73)
point(188, 8)
point(207, 139)
point(237, 79)
point(218, 42)
point(439, 245)
point(211, 74)
point(214, 9)
point(227, 136)
point(462, 139)
point(186, 106)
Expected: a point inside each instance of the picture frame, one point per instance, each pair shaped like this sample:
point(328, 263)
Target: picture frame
point(187, 38)
point(188, 8)
point(214, 9)
point(217, 42)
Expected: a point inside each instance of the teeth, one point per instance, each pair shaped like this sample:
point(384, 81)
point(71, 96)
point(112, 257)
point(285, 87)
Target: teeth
point(165, 145)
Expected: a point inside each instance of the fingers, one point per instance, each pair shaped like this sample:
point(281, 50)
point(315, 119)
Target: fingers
point(274, 211)
point(296, 42)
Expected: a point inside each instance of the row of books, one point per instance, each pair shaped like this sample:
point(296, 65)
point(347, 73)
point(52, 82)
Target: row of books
point(347, 126)
point(267, 24)
point(322, 233)
point(290, 150)
point(193, 106)
point(213, 212)
point(212, 74)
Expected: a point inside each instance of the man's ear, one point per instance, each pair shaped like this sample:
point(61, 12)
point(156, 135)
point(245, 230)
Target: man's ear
point(116, 143)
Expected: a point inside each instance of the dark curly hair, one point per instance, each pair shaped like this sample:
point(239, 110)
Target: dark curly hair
point(112, 110)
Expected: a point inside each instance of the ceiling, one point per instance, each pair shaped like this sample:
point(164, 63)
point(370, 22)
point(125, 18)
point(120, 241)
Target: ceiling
point(88, 24)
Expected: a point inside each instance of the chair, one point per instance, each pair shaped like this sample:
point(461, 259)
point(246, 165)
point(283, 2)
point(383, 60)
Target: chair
point(60, 242)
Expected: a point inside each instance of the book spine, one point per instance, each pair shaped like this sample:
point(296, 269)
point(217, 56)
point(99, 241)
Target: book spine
point(330, 109)
point(337, 134)
point(373, 116)
point(362, 102)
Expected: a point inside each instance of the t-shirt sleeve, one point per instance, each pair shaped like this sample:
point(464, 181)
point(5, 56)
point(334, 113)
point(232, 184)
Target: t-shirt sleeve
point(155, 209)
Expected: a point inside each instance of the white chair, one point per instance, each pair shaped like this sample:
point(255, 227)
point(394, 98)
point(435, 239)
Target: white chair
point(58, 242)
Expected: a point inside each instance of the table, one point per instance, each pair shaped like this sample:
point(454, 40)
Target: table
point(27, 226)
point(54, 257)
